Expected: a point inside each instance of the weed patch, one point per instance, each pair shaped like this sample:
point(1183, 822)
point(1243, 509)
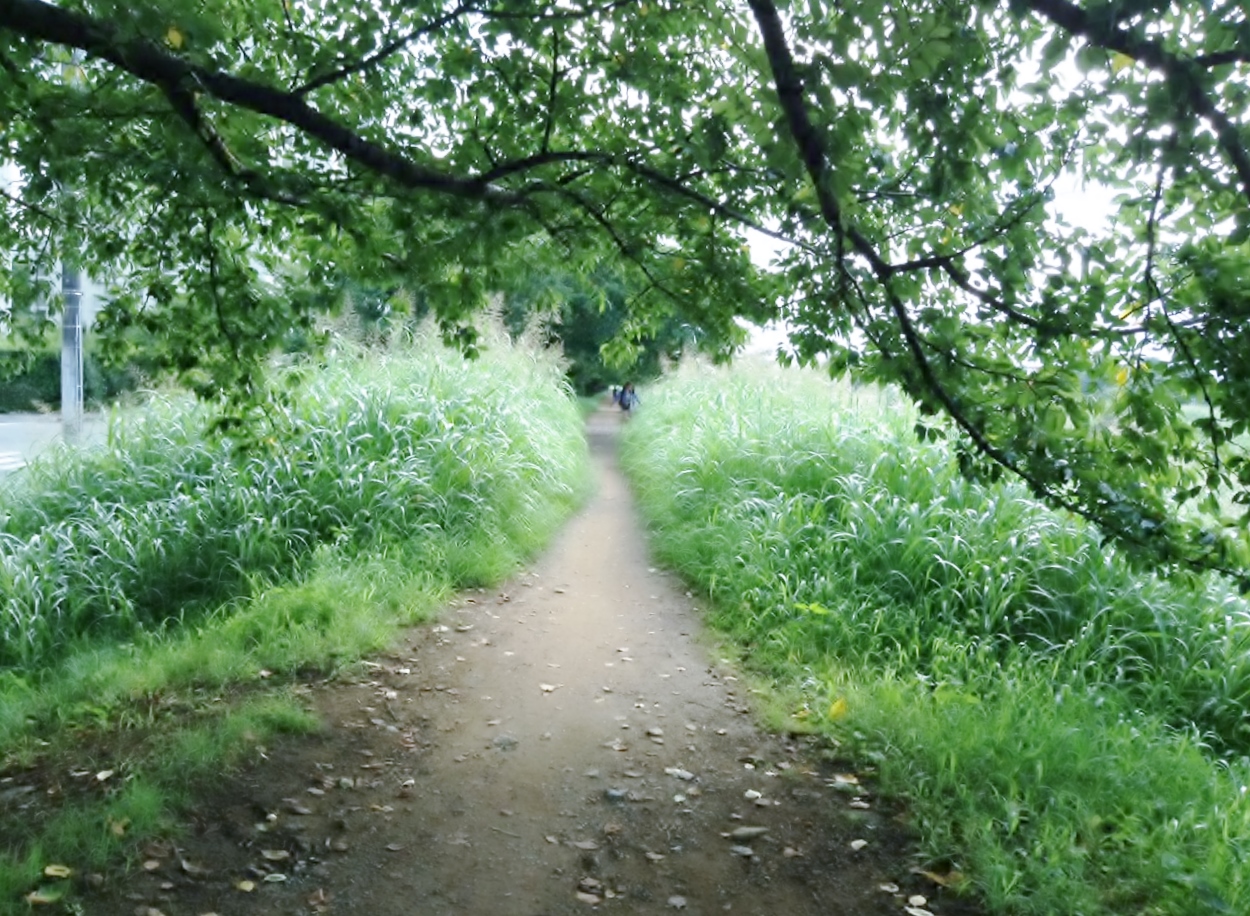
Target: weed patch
point(160, 594)
point(1066, 730)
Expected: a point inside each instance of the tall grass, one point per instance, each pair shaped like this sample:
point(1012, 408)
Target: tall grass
point(1055, 717)
point(406, 448)
point(138, 579)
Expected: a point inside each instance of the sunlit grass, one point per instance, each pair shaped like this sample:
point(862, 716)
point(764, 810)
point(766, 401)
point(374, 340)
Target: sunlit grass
point(1055, 718)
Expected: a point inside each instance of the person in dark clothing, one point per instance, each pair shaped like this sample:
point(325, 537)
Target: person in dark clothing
point(628, 398)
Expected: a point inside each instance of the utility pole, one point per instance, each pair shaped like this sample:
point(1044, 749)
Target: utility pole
point(71, 319)
point(71, 353)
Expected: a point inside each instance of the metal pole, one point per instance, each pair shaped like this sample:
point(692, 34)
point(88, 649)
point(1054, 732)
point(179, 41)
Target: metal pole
point(71, 354)
point(71, 320)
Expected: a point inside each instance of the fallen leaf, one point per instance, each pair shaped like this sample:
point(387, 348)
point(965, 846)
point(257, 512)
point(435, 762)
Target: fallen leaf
point(318, 899)
point(748, 833)
point(952, 879)
point(547, 688)
point(57, 871)
point(104, 775)
point(275, 855)
point(45, 895)
point(275, 878)
point(745, 851)
point(192, 870)
point(245, 886)
point(677, 902)
point(588, 845)
point(857, 845)
point(592, 899)
point(118, 827)
point(917, 900)
point(654, 856)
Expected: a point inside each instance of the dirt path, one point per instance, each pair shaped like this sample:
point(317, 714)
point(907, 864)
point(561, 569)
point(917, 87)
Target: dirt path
point(561, 744)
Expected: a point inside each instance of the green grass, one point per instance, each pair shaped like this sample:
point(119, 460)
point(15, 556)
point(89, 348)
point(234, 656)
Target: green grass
point(160, 594)
point(1068, 731)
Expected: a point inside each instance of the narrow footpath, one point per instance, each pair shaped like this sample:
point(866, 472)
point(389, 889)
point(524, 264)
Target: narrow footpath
point(567, 743)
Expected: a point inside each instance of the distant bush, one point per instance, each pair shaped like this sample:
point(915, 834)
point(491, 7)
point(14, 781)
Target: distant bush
point(32, 383)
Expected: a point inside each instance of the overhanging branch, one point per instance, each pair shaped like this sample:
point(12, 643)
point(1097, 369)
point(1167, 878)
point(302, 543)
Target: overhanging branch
point(1187, 72)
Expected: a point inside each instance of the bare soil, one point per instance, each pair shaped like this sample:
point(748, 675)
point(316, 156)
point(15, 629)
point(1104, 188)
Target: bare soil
point(567, 743)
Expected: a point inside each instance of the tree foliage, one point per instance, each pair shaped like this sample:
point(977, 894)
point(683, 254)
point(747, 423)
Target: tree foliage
point(216, 155)
point(587, 316)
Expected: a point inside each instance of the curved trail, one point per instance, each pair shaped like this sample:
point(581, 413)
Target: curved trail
point(564, 744)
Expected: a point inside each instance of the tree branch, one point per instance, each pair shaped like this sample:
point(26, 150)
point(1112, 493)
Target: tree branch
point(1182, 71)
point(149, 63)
point(551, 89)
point(50, 217)
point(811, 149)
point(382, 53)
point(1221, 58)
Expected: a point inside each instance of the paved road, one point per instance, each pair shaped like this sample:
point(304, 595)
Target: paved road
point(25, 435)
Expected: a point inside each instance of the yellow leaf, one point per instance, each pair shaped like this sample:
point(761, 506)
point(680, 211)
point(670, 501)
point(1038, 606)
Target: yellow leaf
point(838, 708)
point(58, 871)
point(1121, 376)
point(174, 38)
point(956, 209)
point(1121, 61)
point(118, 827)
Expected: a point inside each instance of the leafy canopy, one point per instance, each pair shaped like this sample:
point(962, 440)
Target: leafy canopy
point(216, 158)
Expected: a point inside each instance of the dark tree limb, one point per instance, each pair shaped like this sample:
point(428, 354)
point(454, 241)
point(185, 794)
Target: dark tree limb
point(379, 56)
point(151, 64)
point(1178, 70)
point(551, 90)
point(811, 150)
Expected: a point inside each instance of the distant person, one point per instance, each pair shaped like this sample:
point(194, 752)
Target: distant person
point(628, 398)
point(616, 395)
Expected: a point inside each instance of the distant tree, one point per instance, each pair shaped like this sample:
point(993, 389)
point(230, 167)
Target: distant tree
point(219, 153)
point(590, 319)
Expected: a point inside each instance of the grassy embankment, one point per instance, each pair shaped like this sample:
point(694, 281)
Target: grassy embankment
point(162, 596)
point(1068, 735)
